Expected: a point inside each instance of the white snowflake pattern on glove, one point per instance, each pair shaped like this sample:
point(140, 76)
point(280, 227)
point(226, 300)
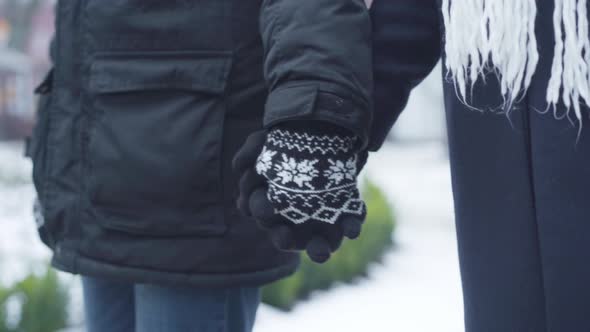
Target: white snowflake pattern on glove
point(340, 171)
point(264, 162)
point(300, 172)
point(311, 177)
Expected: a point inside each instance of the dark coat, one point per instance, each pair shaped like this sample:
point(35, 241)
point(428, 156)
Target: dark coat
point(520, 182)
point(145, 108)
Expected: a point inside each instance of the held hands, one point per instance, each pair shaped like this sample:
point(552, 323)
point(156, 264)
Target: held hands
point(300, 182)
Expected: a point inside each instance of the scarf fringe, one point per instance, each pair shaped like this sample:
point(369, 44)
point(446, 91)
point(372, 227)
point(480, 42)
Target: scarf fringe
point(498, 36)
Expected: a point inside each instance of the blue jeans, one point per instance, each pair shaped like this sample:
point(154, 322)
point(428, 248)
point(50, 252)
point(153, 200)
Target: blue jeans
point(126, 307)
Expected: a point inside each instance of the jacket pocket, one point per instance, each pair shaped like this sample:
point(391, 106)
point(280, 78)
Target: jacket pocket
point(155, 135)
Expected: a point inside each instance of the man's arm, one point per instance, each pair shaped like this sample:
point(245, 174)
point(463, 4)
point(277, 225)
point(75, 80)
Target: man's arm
point(406, 47)
point(318, 62)
point(299, 174)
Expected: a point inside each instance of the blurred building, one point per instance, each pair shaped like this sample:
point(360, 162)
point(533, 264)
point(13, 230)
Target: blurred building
point(42, 30)
point(16, 99)
point(21, 69)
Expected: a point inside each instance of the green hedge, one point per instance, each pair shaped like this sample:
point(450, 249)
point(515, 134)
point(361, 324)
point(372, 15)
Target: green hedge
point(42, 304)
point(348, 263)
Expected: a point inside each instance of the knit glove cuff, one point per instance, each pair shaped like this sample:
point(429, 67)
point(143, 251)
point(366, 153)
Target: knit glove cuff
point(311, 176)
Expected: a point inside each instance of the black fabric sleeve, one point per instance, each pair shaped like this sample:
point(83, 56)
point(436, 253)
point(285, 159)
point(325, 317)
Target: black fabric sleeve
point(406, 47)
point(318, 62)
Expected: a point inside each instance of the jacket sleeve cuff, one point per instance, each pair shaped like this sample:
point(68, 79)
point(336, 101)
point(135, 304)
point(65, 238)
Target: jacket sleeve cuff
point(319, 103)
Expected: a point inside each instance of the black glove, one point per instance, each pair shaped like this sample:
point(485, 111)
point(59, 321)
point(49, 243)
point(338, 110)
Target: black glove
point(299, 180)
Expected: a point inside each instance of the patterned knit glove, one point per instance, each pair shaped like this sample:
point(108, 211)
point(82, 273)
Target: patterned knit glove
point(300, 182)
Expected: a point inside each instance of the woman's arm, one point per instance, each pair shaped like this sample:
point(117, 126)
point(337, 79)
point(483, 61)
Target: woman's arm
point(406, 47)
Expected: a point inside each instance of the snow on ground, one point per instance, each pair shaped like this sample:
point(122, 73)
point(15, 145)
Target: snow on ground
point(417, 289)
point(20, 249)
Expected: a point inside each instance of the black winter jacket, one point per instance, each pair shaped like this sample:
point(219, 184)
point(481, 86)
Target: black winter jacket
point(146, 105)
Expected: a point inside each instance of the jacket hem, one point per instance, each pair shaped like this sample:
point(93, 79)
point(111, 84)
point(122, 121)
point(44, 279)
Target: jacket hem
point(93, 268)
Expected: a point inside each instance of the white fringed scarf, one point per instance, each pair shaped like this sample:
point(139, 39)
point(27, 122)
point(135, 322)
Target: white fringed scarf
point(499, 36)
